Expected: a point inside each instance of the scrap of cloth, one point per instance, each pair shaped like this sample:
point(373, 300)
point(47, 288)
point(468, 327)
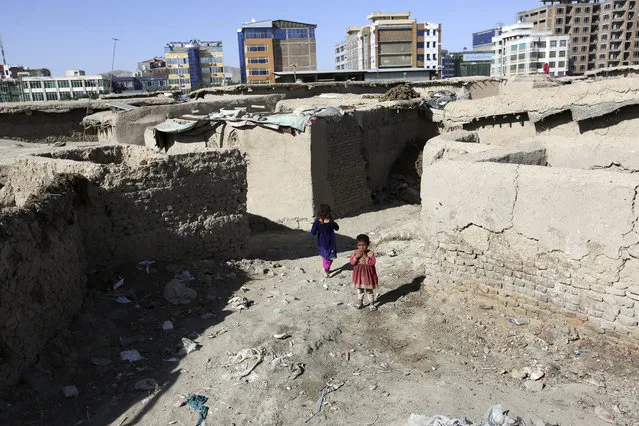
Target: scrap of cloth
point(196, 402)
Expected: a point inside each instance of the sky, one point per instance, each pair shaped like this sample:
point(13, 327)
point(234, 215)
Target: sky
point(64, 35)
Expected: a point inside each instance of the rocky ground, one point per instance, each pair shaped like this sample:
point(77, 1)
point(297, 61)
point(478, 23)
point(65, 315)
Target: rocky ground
point(425, 350)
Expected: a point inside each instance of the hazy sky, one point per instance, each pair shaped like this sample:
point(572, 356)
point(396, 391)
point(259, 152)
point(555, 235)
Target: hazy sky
point(75, 34)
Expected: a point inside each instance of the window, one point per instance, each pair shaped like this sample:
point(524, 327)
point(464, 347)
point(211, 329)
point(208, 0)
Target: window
point(262, 60)
point(586, 29)
point(258, 71)
point(64, 96)
point(563, 43)
point(76, 83)
point(63, 83)
point(38, 96)
point(586, 20)
point(562, 53)
point(522, 56)
point(583, 49)
point(604, 37)
point(575, 49)
point(434, 44)
point(52, 96)
point(577, 20)
point(36, 84)
point(553, 54)
point(562, 64)
point(551, 64)
point(78, 94)
point(582, 68)
point(603, 46)
point(420, 44)
point(513, 48)
point(297, 33)
point(434, 32)
point(602, 56)
point(420, 33)
point(25, 84)
point(541, 44)
point(576, 30)
point(587, 10)
point(256, 48)
point(428, 57)
point(553, 43)
point(49, 84)
point(560, 11)
point(583, 58)
point(513, 58)
point(427, 44)
point(559, 21)
point(577, 10)
point(542, 55)
point(522, 46)
point(90, 83)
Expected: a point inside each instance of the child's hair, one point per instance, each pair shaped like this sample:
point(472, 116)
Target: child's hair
point(363, 238)
point(324, 211)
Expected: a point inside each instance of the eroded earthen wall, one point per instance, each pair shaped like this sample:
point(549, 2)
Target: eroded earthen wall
point(548, 240)
point(42, 281)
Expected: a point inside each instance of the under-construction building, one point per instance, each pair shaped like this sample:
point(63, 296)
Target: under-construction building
point(602, 33)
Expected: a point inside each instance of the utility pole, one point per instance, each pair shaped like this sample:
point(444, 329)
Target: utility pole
point(4, 60)
point(115, 40)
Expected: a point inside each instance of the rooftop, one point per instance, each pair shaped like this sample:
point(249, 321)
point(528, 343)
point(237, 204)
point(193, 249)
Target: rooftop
point(276, 23)
point(393, 15)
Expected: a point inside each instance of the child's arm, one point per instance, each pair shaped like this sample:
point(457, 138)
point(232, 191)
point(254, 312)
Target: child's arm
point(371, 259)
point(315, 227)
point(354, 259)
point(335, 226)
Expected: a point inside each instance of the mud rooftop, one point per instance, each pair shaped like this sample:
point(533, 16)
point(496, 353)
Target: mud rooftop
point(164, 253)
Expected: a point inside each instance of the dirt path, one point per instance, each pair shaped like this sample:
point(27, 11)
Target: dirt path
point(423, 351)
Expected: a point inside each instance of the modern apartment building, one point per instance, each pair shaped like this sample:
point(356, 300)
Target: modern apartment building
point(522, 50)
point(155, 67)
point(391, 40)
point(602, 33)
point(194, 63)
point(466, 63)
point(74, 85)
point(483, 40)
point(266, 47)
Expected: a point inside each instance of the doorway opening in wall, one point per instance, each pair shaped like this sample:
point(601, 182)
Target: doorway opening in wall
point(404, 180)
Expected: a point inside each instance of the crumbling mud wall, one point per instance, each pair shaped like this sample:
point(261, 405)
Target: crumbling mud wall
point(39, 126)
point(42, 281)
point(143, 205)
point(549, 240)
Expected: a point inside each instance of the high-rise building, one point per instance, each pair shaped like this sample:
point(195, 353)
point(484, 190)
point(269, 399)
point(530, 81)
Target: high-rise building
point(522, 50)
point(267, 47)
point(483, 40)
point(195, 63)
point(602, 33)
point(391, 40)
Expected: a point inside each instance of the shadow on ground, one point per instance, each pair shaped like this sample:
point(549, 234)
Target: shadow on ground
point(401, 291)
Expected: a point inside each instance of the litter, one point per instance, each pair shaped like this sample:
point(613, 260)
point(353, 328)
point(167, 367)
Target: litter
point(330, 387)
point(218, 333)
point(240, 303)
point(184, 275)
point(197, 402)
point(167, 325)
point(496, 416)
point(145, 265)
point(177, 293)
point(519, 321)
point(118, 284)
point(282, 336)
point(123, 300)
point(146, 385)
point(604, 415)
point(70, 391)
point(130, 356)
point(258, 354)
point(188, 346)
point(297, 369)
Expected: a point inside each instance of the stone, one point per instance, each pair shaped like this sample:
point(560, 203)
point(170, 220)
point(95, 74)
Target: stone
point(533, 386)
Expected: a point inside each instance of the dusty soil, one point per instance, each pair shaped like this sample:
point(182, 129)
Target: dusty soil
point(424, 350)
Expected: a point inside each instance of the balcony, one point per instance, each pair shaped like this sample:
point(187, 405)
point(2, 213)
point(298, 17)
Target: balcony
point(618, 18)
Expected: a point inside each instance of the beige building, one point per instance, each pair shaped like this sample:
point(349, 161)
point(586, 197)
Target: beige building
point(602, 33)
point(391, 40)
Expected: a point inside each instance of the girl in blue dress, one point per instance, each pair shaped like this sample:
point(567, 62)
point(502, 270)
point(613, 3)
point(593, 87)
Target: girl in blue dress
point(324, 227)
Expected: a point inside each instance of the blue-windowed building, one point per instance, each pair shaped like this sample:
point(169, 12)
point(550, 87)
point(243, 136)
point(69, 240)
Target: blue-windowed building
point(266, 47)
point(139, 84)
point(483, 40)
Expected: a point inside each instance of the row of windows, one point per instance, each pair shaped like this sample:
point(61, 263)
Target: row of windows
point(256, 48)
point(420, 44)
point(279, 34)
point(178, 81)
point(258, 60)
point(211, 60)
point(258, 71)
point(51, 84)
point(53, 96)
point(176, 61)
point(422, 33)
point(212, 70)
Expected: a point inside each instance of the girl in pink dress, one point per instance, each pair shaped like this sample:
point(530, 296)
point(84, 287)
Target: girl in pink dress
point(364, 272)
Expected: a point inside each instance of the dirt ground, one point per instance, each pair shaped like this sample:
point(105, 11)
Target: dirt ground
point(424, 351)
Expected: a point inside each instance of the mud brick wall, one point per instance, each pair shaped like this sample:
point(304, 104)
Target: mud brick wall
point(42, 281)
point(551, 241)
point(144, 205)
point(40, 126)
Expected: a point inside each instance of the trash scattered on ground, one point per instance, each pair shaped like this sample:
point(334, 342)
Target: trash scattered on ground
point(258, 354)
point(177, 293)
point(330, 387)
point(146, 385)
point(167, 325)
point(145, 265)
point(240, 303)
point(218, 332)
point(99, 361)
point(519, 321)
point(399, 93)
point(118, 283)
point(496, 416)
point(123, 300)
point(131, 355)
point(188, 346)
point(441, 98)
point(70, 391)
point(297, 369)
point(282, 336)
point(184, 275)
point(604, 415)
point(197, 402)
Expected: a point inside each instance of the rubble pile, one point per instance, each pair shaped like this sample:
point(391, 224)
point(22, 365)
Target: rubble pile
point(400, 93)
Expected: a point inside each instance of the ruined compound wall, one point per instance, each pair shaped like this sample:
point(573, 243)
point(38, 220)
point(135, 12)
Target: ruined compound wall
point(40, 126)
point(279, 174)
point(546, 240)
point(42, 281)
point(143, 205)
